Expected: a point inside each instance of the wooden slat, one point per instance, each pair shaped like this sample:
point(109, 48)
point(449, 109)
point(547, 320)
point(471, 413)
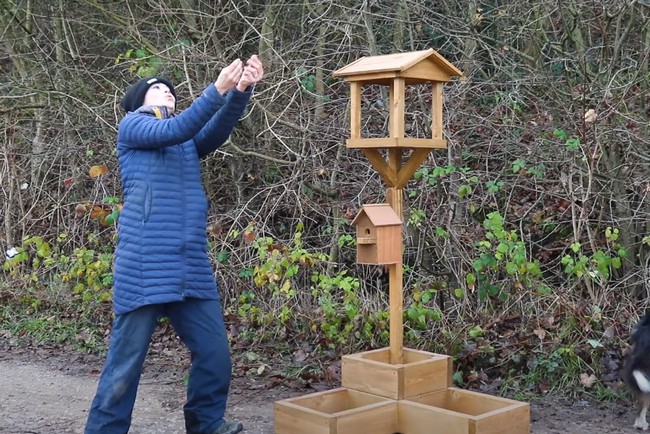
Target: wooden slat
point(426, 376)
point(415, 418)
point(473, 403)
point(379, 418)
point(391, 142)
point(514, 419)
point(436, 112)
point(386, 78)
point(396, 312)
point(380, 355)
point(397, 108)
point(355, 110)
point(370, 376)
point(328, 401)
point(294, 419)
point(415, 356)
point(385, 62)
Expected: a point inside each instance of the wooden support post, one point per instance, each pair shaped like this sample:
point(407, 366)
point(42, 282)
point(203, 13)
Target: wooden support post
point(397, 108)
point(436, 111)
point(395, 282)
point(396, 313)
point(355, 110)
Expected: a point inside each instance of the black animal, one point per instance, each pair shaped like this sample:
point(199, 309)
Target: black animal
point(637, 370)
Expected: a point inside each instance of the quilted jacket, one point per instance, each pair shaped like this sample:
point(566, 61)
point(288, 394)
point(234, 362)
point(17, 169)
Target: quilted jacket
point(161, 253)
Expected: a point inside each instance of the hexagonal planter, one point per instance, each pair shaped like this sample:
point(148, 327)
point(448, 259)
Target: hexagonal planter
point(372, 372)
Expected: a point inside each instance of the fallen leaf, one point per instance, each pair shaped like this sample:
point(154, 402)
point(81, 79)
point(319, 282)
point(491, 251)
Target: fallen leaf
point(97, 212)
point(249, 236)
point(540, 333)
point(80, 209)
point(299, 356)
point(588, 380)
point(591, 116)
point(97, 171)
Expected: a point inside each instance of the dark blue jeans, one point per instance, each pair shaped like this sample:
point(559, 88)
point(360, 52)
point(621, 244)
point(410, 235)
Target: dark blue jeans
point(199, 323)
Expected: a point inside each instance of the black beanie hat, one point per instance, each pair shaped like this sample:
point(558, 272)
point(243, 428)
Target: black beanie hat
point(134, 96)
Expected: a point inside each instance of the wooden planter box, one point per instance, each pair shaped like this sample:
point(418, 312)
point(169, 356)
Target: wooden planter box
point(421, 372)
point(337, 411)
point(458, 411)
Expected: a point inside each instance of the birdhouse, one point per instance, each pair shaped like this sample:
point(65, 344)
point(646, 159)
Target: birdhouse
point(379, 235)
point(396, 71)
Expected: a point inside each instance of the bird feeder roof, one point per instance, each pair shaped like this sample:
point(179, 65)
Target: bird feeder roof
point(415, 66)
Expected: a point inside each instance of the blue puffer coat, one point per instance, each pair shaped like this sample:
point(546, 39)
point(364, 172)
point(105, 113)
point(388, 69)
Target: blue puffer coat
point(161, 253)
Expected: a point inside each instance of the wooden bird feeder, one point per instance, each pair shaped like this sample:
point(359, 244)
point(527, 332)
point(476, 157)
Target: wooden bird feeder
point(398, 71)
point(379, 235)
point(396, 389)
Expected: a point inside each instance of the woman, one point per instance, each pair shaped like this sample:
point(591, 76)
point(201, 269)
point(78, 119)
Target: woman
point(161, 262)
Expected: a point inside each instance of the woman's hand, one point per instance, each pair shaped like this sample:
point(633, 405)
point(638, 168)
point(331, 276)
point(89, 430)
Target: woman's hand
point(229, 76)
point(253, 72)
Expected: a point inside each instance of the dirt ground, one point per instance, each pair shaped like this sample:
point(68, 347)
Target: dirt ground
point(46, 393)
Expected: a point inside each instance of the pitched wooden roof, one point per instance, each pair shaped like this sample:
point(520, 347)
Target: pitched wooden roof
point(380, 214)
point(425, 64)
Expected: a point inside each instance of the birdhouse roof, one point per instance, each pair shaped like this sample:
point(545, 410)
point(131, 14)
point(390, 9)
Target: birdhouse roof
point(380, 214)
point(425, 65)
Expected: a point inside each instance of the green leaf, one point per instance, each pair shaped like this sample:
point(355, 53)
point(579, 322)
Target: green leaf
point(560, 134)
point(511, 268)
point(464, 191)
point(223, 256)
point(476, 332)
point(573, 144)
point(518, 165)
point(112, 217)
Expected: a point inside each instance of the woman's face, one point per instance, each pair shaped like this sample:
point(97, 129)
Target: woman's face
point(159, 94)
